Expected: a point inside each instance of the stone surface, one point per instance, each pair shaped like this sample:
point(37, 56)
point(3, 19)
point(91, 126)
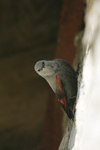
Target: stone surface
point(66, 136)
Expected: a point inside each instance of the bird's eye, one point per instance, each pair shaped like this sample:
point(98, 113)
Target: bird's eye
point(43, 64)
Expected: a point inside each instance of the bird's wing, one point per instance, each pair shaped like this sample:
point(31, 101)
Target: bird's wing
point(60, 92)
point(67, 104)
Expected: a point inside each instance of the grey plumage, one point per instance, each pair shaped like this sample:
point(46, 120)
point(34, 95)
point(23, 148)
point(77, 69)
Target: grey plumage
point(63, 80)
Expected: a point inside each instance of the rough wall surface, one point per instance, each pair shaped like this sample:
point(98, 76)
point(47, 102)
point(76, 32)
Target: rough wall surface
point(88, 103)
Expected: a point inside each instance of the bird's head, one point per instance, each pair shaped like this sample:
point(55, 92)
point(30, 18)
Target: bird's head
point(46, 68)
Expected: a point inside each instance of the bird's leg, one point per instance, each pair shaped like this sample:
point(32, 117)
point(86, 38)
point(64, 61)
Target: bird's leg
point(78, 68)
point(72, 104)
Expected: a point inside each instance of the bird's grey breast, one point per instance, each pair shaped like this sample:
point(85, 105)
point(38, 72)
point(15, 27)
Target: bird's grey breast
point(52, 82)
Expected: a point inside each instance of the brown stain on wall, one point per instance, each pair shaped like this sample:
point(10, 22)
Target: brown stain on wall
point(71, 22)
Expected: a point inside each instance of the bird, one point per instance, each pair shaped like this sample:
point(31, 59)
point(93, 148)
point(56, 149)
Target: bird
point(62, 78)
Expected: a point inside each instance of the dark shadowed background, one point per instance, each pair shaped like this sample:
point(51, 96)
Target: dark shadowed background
point(28, 33)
